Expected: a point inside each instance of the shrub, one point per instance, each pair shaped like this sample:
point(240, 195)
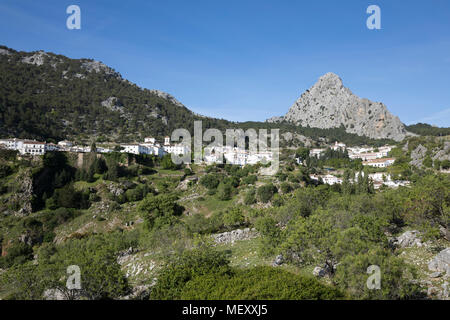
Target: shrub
point(266, 192)
point(224, 191)
point(185, 267)
point(250, 197)
point(259, 283)
point(210, 181)
point(233, 217)
point(286, 187)
point(160, 210)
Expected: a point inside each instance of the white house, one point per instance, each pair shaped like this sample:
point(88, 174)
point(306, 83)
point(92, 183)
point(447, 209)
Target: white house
point(65, 144)
point(316, 152)
point(379, 163)
point(338, 146)
point(32, 147)
point(150, 140)
point(51, 147)
point(330, 179)
point(135, 148)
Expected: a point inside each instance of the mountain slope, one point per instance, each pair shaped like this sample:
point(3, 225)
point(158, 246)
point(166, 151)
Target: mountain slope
point(49, 96)
point(328, 104)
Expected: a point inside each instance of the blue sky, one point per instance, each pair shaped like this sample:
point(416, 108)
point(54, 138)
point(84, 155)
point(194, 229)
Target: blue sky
point(250, 60)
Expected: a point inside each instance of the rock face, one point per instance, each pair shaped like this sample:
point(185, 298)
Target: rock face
point(235, 235)
point(113, 104)
point(417, 156)
point(441, 262)
point(328, 104)
point(408, 239)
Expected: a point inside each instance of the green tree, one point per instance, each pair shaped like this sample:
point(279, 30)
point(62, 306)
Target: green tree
point(160, 210)
point(266, 192)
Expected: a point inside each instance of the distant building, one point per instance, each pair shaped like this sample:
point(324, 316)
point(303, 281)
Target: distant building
point(32, 147)
point(135, 148)
point(150, 140)
point(166, 140)
point(330, 179)
point(338, 146)
point(65, 144)
point(316, 152)
point(51, 147)
point(176, 148)
point(379, 163)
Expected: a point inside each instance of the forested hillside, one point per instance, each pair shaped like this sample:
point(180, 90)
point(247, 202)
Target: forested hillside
point(48, 96)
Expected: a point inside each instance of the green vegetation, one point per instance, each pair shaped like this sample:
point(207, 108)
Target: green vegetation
point(134, 221)
point(424, 129)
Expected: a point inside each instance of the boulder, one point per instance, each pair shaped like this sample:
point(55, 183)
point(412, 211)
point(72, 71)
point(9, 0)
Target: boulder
point(408, 239)
point(319, 272)
point(279, 260)
point(441, 262)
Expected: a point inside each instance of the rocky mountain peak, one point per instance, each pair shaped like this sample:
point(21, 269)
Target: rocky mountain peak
point(329, 104)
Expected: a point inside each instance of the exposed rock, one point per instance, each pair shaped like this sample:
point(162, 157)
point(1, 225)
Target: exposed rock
point(443, 154)
point(97, 66)
point(445, 233)
point(54, 294)
point(167, 96)
point(408, 239)
point(441, 262)
point(115, 189)
point(122, 257)
point(279, 260)
point(183, 185)
point(37, 59)
point(5, 52)
point(436, 274)
point(417, 156)
point(23, 196)
point(319, 272)
point(62, 294)
point(328, 104)
point(235, 235)
point(113, 104)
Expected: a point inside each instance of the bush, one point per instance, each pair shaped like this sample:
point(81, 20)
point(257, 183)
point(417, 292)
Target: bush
point(266, 192)
point(260, 283)
point(286, 187)
point(210, 181)
point(17, 254)
point(185, 267)
point(352, 276)
point(224, 191)
point(233, 217)
point(160, 210)
point(250, 197)
point(251, 179)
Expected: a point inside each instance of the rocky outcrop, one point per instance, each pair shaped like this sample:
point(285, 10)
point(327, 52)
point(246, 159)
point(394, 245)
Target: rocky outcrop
point(113, 104)
point(23, 195)
point(279, 260)
point(408, 239)
point(167, 96)
point(97, 66)
point(37, 58)
point(441, 262)
point(319, 272)
point(235, 235)
point(443, 154)
point(328, 104)
point(417, 156)
point(183, 185)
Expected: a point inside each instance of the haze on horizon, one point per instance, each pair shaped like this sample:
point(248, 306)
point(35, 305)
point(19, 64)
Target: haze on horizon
point(249, 61)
